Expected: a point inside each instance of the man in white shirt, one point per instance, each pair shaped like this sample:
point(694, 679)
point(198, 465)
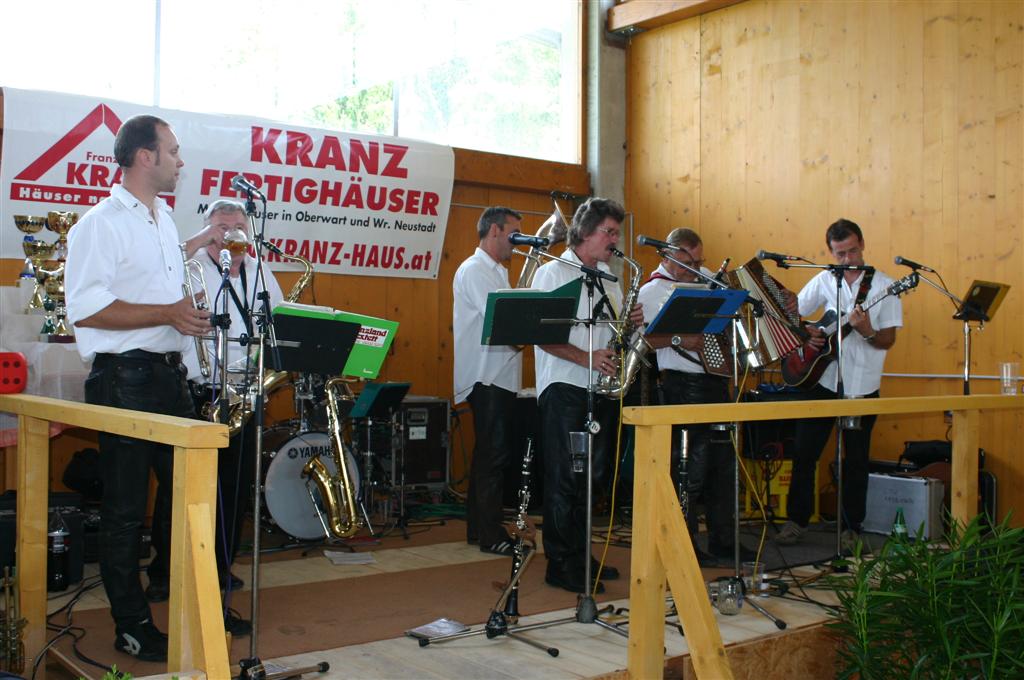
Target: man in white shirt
point(864, 349)
point(710, 461)
point(488, 376)
point(235, 463)
point(124, 295)
point(562, 382)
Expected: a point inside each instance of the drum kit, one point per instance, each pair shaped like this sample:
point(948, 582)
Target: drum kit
point(292, 500)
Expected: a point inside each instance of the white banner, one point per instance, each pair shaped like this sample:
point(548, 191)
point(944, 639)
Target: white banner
point(350, 203)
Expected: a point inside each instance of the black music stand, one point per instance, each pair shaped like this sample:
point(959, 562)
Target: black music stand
point(979, 304)
point(691, 310)
point(520, 318)
point(379, 401)
point(309, 344)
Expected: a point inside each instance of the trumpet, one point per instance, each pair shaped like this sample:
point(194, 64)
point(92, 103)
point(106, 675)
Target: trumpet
point(194, 278)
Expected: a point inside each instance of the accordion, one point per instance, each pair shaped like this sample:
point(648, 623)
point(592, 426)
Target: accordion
point(774, 334)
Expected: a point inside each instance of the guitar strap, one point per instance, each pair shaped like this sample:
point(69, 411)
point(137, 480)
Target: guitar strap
point(865, 286)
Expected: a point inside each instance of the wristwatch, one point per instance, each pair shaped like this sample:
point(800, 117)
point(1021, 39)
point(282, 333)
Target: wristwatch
point(869, 338)
point(677, 340)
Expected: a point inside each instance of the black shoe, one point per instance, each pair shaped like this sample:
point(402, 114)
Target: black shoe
point(726, 552)
point(608, 573)
point(158, 590)
point(143, 641)
point(504, 548)
point(232, 582)
point(566, 576)
point(236, 625)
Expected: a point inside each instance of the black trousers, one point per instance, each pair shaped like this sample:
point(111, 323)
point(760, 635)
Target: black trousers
point(492, 412)
point(711, 464)
point(809, 439)
point(563, 409)
point(235, 471)
point(140, 381)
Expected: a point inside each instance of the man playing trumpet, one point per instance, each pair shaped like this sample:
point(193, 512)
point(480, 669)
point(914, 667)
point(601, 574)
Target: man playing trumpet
point(124, 295)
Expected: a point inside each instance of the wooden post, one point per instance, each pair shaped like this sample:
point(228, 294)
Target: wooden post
point(32, 517)
point(195, 483)
point(646, 656)
point(964, 475)
point(207, 643)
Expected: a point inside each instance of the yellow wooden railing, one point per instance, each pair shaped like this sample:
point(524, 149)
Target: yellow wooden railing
point(196, 627)
point(661, 545)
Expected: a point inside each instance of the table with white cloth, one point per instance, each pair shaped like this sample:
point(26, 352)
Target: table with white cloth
point(54, 369)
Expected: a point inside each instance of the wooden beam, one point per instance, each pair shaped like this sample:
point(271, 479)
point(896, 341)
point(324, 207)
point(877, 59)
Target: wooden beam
point(209, 648)
point(963, 503)
point(647, 14)
point(483, 168)
point(195, 483)
point(646, 656)
point(30, 554)
point(725, 413)
point(185, 432)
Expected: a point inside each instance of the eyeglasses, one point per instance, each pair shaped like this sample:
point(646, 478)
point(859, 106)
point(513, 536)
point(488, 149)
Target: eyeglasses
point(614, 233)
point(696, 264)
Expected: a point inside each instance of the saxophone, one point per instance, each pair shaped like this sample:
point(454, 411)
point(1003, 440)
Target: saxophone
point(554, 229)
point(241, 409)
point(336, 491)
point(628, 339)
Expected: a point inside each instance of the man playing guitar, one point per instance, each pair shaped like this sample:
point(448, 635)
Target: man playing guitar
point(864, 350)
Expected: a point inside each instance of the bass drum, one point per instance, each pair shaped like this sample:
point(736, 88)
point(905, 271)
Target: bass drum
point(287, 501)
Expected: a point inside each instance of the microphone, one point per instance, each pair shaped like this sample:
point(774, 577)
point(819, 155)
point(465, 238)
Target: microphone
point(913, 265)
point(225, 261)
point(776, 257)
point(660, 245)
point(518, 239)
point(240, 183)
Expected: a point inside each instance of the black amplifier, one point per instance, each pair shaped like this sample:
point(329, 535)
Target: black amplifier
point(418, 448)
point(69, 505)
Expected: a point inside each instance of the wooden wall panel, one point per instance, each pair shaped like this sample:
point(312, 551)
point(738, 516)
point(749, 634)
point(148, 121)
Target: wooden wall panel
point(905, 117)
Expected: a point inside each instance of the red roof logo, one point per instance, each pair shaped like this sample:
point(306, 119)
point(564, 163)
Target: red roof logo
point(101, 115)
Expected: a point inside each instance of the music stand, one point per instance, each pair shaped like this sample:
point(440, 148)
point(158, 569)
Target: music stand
point(518, 317)
point(309, 344)
point(979, 304)
point(690, 311)
point(377, 401)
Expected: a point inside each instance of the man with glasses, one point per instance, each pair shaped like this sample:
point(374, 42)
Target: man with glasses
point(710, 460)
point(562, 383)
point(864, 350)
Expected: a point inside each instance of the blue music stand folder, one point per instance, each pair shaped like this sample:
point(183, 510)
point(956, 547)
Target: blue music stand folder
point(377, 400)
point(691, 310)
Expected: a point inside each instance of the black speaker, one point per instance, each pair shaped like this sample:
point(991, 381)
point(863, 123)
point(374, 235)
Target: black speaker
point(419, 449)
point(69, 505)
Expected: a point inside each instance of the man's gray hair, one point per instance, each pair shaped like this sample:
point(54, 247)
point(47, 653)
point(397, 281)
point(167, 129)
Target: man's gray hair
point(222, 205)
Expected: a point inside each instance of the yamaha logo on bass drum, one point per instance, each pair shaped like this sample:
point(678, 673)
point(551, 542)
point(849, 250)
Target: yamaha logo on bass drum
point(308, 451)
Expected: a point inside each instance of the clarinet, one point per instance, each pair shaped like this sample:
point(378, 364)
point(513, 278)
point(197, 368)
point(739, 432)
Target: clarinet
point(519, 551)
point(684, 473)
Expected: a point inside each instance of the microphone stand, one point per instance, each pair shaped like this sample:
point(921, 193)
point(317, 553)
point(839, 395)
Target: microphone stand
point(758, 309)
point(839, 270)
point(251, 668)
point(966, 312)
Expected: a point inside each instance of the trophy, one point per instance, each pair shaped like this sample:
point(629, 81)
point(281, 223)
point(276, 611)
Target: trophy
point(60, 223)
point(56, 325)
point(38, 252)
point(28, 225)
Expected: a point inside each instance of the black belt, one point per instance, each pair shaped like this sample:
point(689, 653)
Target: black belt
point(172, 359)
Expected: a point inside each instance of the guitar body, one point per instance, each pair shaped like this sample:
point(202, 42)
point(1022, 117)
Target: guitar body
point(803, 368)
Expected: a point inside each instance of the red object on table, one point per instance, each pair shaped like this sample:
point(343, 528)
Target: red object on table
point(13, 372)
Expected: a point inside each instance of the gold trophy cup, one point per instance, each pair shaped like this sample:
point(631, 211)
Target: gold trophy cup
point(60, 223)
point(28, 225)
point(38, 252)
point(55, 290)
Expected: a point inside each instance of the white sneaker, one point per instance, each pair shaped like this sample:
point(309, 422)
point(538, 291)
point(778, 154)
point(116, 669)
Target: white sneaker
point(791, 533)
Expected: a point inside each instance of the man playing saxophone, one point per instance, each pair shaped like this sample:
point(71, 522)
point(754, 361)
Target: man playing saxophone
point(710, 463)
point(562, 383)
point(488, 377)
point(235, 462)
point(124, 296)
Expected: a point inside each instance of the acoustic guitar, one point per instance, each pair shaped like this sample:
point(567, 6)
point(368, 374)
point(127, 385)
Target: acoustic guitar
point(803, 367)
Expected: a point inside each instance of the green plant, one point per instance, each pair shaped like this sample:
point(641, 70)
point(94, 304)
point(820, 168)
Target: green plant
point(930, 610)
point(114, 674)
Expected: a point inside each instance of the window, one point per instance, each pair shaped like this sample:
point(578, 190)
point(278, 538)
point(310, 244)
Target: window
point(478, 74)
